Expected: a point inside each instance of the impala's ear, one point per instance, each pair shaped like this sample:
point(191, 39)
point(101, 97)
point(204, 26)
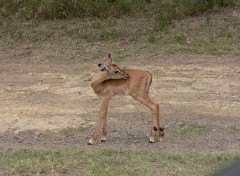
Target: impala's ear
point(109, 59)
point(103, 67)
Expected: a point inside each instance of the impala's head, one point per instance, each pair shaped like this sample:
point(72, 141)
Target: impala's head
point(113, 70)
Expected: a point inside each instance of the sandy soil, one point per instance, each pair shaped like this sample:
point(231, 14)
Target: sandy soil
point(38, 96)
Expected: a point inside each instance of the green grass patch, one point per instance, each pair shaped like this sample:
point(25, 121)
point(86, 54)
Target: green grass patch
point(70, 130)
point(110, 161)
point(215, 32)
point(162, 11)
point(190, 129)
point(234, 129)
point(64, 132)
point(97, 30)
point(211, 34)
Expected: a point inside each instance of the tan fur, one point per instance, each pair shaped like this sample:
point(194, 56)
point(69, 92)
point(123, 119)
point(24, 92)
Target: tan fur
point(117, 81)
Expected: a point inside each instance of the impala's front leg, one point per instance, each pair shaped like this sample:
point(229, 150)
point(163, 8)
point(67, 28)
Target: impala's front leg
point(101, 116)
point(103, 139)
point(154, 128)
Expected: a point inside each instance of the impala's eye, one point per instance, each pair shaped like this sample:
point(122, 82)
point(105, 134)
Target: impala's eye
point(116, 71)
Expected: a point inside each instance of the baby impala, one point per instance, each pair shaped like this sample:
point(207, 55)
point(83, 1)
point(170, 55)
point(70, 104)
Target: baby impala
point(113, 80)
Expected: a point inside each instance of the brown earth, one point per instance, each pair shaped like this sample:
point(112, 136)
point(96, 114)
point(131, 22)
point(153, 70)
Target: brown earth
point(39, 95)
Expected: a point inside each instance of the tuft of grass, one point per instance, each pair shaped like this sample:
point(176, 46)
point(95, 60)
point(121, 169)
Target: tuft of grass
point(65, 131)
point(234, 129)
point(110, 161)
point(69, 130)
point(97, 30)
point(153, 38)
point(190, 129)
point(179, 38)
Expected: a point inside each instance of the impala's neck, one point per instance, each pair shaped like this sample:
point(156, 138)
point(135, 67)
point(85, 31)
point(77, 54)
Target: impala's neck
point(98, 79)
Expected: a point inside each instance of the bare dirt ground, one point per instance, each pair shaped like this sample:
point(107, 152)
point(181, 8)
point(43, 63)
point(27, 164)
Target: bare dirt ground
point(39, 95)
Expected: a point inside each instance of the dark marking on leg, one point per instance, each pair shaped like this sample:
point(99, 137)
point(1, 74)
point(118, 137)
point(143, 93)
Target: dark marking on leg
point(161, 129)
point(155, 128)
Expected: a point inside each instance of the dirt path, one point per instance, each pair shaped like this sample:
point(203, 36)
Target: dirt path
point(196, 92)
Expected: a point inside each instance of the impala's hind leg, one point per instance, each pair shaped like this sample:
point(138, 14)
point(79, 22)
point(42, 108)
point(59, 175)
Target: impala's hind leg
point(161, 129)
point(154, 108)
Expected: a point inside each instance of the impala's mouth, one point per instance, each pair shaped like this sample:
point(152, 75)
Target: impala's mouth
point(127, 76)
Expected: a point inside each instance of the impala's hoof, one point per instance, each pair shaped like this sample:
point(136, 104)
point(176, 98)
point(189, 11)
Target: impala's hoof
point(160, 139)
point(151, 140)
point(90, 142)
point(103, 139)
